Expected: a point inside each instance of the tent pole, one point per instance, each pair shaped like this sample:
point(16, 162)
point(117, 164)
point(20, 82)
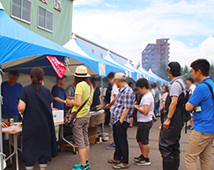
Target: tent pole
point(1, 141)
point(102, 90)
point(102, 127)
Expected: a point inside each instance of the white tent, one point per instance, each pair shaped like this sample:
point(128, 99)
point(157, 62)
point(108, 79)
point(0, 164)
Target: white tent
point(102, 67)
point(147, 74)
point(129, 72)
point(139, 73)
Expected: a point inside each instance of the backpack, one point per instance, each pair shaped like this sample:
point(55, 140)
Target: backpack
point(186, 114)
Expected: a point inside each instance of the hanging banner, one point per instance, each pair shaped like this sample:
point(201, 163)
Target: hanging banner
point(57, 65)
point(102, 69)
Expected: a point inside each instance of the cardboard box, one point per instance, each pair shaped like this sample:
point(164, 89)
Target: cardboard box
point(92, 131)
point(58, 116)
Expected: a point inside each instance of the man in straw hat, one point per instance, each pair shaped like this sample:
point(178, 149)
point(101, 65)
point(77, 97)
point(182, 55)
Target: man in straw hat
point(120, 117)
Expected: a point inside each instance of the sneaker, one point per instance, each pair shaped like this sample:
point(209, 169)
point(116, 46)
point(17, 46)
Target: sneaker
point(110, 147)
point(79, 168)
point(113, 161)
point(140, 158)
point(121, 166)
point(144, 162)
point(79, 165)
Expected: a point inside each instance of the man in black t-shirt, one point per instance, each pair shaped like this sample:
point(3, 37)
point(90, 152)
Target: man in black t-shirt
point(59, 93)
point(97, 99)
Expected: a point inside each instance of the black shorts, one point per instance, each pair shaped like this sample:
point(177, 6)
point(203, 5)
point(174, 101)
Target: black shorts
point(143, 132)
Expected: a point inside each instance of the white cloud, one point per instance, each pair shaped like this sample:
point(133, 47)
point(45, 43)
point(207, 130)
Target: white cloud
point(185, 55)
point(128, 32)
point(110, 5)
point(86, 2)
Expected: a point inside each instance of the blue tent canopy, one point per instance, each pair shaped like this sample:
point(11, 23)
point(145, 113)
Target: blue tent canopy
point(138, 72)
point(19, 43)
point(103, 67)
point(147, 75)
point(129, 72)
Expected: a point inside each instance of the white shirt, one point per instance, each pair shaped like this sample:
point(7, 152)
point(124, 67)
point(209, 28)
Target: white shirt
point(114, 91)
point(192, 88)
point(147, 100)
point(153, 92)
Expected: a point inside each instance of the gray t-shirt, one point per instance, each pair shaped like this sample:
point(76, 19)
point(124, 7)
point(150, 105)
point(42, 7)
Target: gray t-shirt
point(70, 91)
point(157, 95)
point(176, 88)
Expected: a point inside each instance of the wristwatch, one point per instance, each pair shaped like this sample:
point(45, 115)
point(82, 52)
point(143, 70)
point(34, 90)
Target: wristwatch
point(169, 118)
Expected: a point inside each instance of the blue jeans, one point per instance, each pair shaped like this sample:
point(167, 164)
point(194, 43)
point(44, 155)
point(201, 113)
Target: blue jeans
point(16, 118)
point(112, 129)
point(157, 111)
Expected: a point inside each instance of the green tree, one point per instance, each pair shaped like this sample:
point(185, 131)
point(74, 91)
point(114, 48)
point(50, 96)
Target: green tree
point(162, 72)
point(186, 72)
point(212, 71)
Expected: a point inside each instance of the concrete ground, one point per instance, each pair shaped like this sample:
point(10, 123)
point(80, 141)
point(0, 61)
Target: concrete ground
point(99, 155)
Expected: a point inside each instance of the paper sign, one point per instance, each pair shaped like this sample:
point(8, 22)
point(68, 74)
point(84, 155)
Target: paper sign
point(102, 69)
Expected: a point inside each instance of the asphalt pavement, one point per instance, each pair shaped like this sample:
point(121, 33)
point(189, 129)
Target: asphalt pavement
point(99, 155)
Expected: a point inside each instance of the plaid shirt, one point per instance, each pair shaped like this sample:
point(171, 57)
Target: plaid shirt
point(125, 100)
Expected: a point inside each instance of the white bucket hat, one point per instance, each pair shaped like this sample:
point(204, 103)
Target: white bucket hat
point(81, 71)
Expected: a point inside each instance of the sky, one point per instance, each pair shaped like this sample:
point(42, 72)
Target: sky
point(126, 27)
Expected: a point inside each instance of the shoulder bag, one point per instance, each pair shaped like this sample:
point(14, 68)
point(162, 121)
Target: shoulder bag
point(71, 116)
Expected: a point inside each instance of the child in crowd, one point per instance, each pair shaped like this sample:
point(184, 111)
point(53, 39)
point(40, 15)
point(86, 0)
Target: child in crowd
point(145, 122)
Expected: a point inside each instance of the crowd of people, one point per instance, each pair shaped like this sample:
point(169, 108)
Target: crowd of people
point(125, 106)
point(169, 104)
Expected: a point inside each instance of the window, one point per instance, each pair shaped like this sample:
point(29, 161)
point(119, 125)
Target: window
point(21, 9)
point(45, 1)
point(45, 20)
point(58, 5)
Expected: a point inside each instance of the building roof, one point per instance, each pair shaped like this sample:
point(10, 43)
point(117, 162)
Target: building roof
point(101, 47)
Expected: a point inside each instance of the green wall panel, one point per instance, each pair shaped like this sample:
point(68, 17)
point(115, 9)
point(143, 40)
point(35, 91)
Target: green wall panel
point(62, 21)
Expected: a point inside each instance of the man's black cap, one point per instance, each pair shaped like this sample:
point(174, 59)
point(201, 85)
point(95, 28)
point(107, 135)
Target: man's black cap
point(174, 67)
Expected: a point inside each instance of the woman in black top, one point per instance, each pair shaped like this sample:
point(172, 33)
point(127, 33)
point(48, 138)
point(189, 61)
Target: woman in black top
point(39, 139)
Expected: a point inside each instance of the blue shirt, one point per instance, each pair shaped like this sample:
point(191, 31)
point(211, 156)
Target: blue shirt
point(202, 97)
point(58, 92)
point(125, 100)
point(10, 98)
